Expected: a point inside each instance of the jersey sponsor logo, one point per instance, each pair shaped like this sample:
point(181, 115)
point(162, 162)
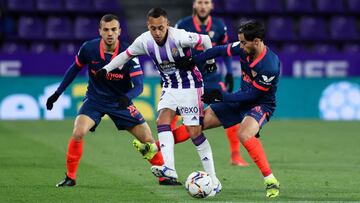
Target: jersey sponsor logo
point(95, 62)
point(167, 67)
point(246, 77)
point(114, 76)
point(211, 34)
point(184, 110)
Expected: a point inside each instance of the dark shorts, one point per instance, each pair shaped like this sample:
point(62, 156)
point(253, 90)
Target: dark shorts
point(231, 114)
point(122, 118)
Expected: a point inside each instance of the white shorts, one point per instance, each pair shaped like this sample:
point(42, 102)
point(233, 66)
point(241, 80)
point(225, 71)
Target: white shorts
point(186, 101)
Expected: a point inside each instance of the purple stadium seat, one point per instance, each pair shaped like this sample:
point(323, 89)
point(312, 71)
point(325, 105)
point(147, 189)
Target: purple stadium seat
point(59, 28)
point(279, 28)
point(107, 6)
point(218, 5)
point(49, 5)
point(292, 48)
point(69, 48)
point(269, 6)
point(343, 28)
point(354, 5)
point(239, 6)
point(323, 49)
point(79, 5)
point(312, 28)
point(20, 5)
point(40, 48)
point(13, 48)
point(86, 28)
point(330, 6)
point(300, 6)
point(31, 27)
point(351, 48)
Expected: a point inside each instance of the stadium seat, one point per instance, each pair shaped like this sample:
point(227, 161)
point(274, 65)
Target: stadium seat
point(86, 28)
point(13, 48)
point(49, 5)
point(312, 28)
point(78, 5)
point(330, 6)
point(218, 5)
point(351, 48)
point(269, 6)
point(343, 28)
point(239, 6)
point(279, 28)
point(40, 48)
point(354, 5)
point(59, 28)
point(69, 48)
point(31, 27)
point(292, 48)
point(20, 5)
point(305, 6)
point(107, 6)
point(323, 49)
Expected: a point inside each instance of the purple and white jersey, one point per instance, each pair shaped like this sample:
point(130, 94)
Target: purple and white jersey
point(178, 44)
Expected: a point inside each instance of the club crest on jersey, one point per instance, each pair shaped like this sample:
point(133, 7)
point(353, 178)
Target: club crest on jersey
point(175, 52)
point(253, 73)
point(211, 34)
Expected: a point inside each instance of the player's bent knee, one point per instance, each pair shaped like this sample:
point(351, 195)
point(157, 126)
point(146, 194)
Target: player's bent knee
point(194, 131)
point(78, 133)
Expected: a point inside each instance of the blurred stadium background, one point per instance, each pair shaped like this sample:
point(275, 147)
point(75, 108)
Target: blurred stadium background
point(318, 42)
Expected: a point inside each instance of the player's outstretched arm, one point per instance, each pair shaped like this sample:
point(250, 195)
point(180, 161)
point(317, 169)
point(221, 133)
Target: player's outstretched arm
point(69, 76)
point(210, 54)
point(117, 62)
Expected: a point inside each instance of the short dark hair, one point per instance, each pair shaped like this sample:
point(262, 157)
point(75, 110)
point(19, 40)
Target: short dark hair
point(157, 12)
point(252, 29)
point(109, 17)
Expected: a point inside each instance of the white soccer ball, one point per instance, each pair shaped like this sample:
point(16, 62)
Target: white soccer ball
point(199, 184)
point(340, 101)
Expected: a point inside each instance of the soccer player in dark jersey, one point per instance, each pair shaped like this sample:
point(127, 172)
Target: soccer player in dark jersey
point(111, 95)
point(203, 23)
point(254, 103)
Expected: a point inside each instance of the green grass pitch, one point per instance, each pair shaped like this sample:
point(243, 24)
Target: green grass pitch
point(313, 160)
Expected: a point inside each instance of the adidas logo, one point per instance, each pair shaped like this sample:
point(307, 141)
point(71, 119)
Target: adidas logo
point(205, 159)
point(194, 118)
point(162, 145)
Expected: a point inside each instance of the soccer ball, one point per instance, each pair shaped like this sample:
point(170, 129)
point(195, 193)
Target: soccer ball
point(199, 184)
point(340, 101)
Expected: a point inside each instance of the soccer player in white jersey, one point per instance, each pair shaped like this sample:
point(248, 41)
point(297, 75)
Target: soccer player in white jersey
point(181, 90)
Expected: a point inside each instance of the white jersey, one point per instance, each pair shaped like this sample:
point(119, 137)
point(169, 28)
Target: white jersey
point(178, 44)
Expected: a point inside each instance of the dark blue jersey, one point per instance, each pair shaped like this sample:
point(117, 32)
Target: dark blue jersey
point(260, 76)
point(216, 30)
point(127, 81)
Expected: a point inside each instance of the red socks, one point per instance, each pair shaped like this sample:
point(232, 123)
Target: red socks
point(180, 134)
point(75, 150)
point(256, 152)
point(157, 160)
point(233, 139)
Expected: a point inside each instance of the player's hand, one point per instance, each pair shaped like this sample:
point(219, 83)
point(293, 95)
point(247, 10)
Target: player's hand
point(184, 63)
point(51, 100)
point(212, 97)
point(209, 68)
point(123, 102)
point(229, 82)
point(101, 74)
